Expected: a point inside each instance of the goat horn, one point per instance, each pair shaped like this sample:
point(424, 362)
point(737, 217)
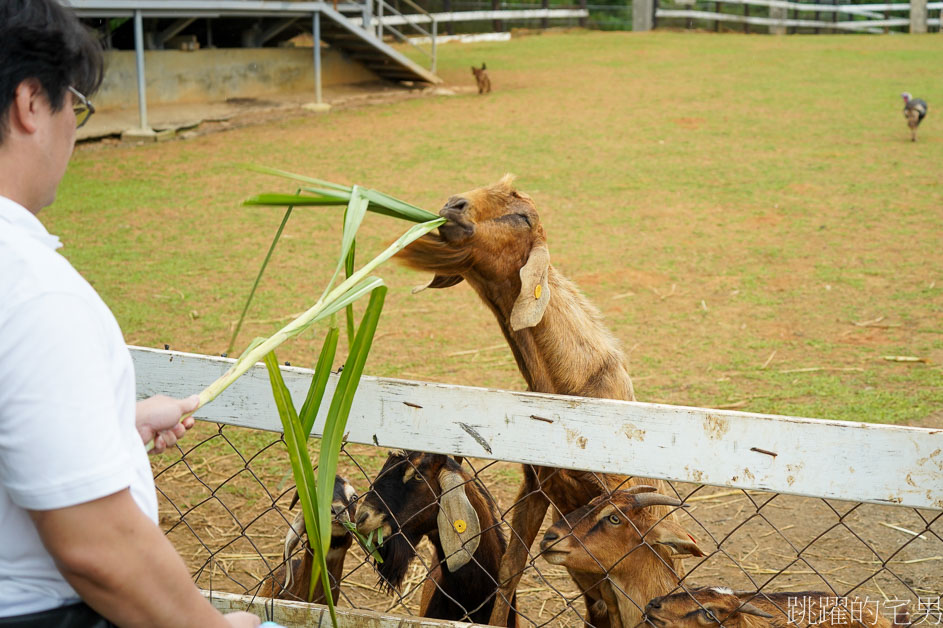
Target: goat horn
point(753, 610)
point(645, 500)
point(640, 488)
point(292, 538)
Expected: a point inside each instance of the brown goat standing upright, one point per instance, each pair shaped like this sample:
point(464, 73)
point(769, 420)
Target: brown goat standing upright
point(494, 240)
point(482, 78)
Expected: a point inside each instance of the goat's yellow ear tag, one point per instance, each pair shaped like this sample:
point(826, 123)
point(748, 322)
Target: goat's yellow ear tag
point(537, 290)
point(459, 525)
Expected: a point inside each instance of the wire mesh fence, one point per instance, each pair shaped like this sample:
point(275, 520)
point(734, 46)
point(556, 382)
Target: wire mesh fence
point(225, 497)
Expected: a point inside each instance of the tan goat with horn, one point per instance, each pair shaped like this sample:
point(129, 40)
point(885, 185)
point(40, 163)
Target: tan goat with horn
point(713, 607)
point(494, 240)
point(618, 538)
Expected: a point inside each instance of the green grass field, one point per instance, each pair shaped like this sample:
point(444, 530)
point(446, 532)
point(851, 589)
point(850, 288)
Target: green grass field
point(747, 211)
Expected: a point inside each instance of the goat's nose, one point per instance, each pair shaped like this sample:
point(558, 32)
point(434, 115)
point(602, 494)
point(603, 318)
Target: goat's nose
point(455, 204)
point(361, 517)
point(550, 537)
point(653, 604)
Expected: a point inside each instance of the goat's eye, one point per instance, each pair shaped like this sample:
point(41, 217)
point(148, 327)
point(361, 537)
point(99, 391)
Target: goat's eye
point(614, 520)
point(526, 219)
point(709, 616)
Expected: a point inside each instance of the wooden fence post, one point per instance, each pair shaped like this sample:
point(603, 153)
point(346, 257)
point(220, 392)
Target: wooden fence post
point(918, 16)
point(778, 13)
point(643, 15)
point(582, 21)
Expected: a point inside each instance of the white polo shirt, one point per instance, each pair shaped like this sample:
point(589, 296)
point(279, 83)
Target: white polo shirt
point(67, 402)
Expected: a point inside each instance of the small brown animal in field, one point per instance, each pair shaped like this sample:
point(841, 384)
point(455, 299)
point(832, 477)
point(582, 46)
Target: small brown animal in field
point(710, 607)
point(481, 77)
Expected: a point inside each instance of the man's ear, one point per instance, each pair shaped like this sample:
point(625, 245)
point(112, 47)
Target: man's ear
point(25, 109)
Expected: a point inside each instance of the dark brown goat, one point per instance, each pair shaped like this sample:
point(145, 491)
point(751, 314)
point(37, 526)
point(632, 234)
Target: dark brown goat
point(294, 583)
point(494, 240)
point(418, 495)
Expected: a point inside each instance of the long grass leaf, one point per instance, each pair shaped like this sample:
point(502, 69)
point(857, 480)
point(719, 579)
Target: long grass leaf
point(349, 270)
point(298, 177)
point(309, 410)
point(300, 460)
point(402, 209)
point(364, 287)
point(297, 200)
point(258, 278)
point(339, 411)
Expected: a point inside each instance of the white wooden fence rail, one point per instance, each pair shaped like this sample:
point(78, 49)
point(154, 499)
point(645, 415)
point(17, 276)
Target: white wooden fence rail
point(473, 16)
point(879, 21)
point(833, 459)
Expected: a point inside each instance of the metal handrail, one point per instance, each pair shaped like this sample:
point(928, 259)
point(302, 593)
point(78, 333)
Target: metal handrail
point(384, 6)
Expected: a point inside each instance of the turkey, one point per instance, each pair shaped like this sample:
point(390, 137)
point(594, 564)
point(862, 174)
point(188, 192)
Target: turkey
point(914, 110)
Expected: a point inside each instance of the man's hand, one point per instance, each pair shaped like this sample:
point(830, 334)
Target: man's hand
point(158, 418)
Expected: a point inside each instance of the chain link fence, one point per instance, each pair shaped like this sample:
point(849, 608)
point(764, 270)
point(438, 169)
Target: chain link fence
point(224, 503)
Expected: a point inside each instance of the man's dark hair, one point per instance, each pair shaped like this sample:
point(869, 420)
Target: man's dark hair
point(43, 40)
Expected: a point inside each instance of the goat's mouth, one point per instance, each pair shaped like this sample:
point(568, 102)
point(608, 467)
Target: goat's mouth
point(651, 620)
point(457, 227)
point(555, 556)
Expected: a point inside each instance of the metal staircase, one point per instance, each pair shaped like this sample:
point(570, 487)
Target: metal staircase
point(369, 49)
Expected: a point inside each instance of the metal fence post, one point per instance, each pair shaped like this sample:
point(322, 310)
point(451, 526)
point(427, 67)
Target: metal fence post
point(316, 31)
point(918, 16)
point(139, 57)
point(643, 15)
point(367, 15)
point(435, 33)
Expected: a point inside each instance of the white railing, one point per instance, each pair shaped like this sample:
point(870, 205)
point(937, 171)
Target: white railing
point(862, 462)
point(877, 12)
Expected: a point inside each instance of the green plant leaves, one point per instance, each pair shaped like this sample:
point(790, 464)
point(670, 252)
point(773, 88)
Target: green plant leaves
point(316, 492)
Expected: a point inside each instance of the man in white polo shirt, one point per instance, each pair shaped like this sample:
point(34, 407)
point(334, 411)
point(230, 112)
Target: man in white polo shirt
point(79, 544)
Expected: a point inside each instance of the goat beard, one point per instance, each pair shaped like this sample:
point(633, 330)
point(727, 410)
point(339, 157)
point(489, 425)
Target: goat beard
point(432, 253)
point(397, 552)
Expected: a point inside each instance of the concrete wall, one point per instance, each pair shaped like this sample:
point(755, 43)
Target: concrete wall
point(175, 76)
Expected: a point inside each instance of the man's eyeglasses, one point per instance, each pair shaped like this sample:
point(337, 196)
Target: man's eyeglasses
point(82, 107)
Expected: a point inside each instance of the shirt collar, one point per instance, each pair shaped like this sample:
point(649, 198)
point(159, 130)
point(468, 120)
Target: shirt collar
point(21, 218)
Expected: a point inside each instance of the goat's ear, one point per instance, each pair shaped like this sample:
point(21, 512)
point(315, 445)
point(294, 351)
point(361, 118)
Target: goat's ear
point(671, 534)
point(440, 281)
point(535, 292)
point(459, 528)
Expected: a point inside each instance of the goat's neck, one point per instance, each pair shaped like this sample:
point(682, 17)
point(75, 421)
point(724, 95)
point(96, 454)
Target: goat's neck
point(570, 352)
point(648, 578)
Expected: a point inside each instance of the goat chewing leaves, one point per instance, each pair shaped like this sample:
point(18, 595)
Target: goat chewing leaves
point(366, 542)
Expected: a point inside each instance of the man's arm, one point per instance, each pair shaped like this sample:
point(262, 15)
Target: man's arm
point(123, 566)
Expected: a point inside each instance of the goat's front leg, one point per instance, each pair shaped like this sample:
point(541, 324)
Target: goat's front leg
point(528, 512)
